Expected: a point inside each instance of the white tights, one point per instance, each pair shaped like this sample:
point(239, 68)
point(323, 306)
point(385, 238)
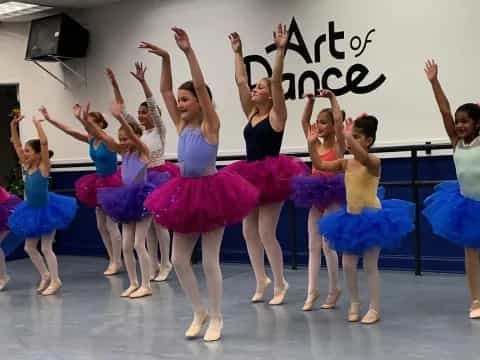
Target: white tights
point(158, 235)
point(51, 266)
point(183, 245)
point(3, 265)
point(110, 234)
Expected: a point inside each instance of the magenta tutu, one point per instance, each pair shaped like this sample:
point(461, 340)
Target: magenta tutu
point(272, 176)
point(202, 204)
point(320, 191)
point(172, 169)
point(86, 187)
point(8, 202)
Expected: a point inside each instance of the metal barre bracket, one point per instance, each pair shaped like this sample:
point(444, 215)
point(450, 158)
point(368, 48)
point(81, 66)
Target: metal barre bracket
point(82, 78)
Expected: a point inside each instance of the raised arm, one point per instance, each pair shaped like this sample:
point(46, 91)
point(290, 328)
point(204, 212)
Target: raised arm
point(166, 87)
point(140, 146)
point(44, 152)
point(332, 166)
point(307, 113)
point(279, 111)
point(95, 131)
point(371, 162)
point(337, 121)
point(116, 88)
point(431, 70)
point(241, 74)
point(212, 120)
point(15, 137)
point(79, 135)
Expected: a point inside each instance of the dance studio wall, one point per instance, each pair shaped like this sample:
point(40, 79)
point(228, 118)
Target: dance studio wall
point(372, 51)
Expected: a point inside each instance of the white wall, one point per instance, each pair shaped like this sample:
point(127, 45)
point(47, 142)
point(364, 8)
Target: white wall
point(406, 34)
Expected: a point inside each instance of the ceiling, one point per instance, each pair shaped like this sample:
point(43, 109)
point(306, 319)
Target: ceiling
point(68, 3)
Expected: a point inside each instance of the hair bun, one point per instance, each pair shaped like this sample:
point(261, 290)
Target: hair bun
point(50, 153)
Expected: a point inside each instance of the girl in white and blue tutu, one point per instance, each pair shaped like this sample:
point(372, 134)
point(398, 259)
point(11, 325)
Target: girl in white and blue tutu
point(105, 175)
point(8, 202)
point(453, 209)
point(366, 224)
point(43, 212)
point(202, 201)
point(322, 192)
point(124, 204)
point(154, 136)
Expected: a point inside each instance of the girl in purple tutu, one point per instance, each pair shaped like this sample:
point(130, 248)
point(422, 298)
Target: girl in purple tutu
point(8, 202)
point(105, 175)
point(154, 135)
point(202, 201)
point(453, 209)
point(124, 204)
point(322, 192)
point(270, 172)
point(366, 224)
point(42, 213)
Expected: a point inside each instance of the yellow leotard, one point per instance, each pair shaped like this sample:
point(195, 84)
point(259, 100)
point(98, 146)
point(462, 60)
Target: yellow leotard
point(361, 188)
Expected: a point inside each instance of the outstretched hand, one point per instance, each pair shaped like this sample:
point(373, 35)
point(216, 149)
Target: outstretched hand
point(140, 71)
point(431, 70)
point(313, 134)
point(347, 127)
point(43, 110)
point(111, 75)
point(281, 36)
point(154, 49)
point(181, 37)
point(325, 93)
point(236, 42)
point(17, 118)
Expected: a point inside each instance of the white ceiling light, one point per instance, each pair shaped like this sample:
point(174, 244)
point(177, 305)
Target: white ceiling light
point(12, 9)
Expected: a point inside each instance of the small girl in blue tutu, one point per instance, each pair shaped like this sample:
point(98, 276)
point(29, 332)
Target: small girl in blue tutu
point(322, 192)
point(42, 212)
point(453, 209)
point(124, 204)
point(8, 202)
point(366, 224)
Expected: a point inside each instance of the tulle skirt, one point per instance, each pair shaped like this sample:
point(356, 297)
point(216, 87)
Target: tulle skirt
point(355, 233)
point(124, 204)
point(272, 176)
point(7, 206)
point(454, 216)
point(33, 222)
point(172, 169)
point(86, 187)
point(318, 190)
point(202, 204)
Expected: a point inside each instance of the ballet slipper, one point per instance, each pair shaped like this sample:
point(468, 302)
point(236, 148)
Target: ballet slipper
point(308, 305)
point(214, 329)
point(44, 282)
point(142, 291)
point(163, 273)
point(332, 300)
point(475, 310)
point(279, 298)
point(260, 291)
point(371, 317)
point(3, 282)
point(112, 269)
point(195, 327)
point(52, 288)
point(129, 290)
point(354, 312)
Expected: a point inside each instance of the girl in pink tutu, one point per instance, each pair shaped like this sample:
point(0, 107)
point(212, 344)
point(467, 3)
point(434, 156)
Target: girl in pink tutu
point(202, 201)
point(8, 202)
point(105, 175)
point(154, 134)
point(268, 171)
point(124, 204)
point(323, 192)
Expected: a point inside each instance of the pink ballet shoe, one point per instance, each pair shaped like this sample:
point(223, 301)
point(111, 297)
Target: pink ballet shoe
point(52, 289)
point(475, 310)
point(195, 327)
point(44, 282)
point(308, 305)
point(3, 282)
point(259, 295)
point(214, 329)
point(332, 299)
point(354, 312)
point(141, 292)
point(279, 298)
point(371, 317)
point(129, 290)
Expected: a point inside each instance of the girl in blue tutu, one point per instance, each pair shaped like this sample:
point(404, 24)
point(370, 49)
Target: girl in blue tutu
point(453, 209)
point(42, 213)
point(366, 224)
point(323, 192)
point(124, 204)
point(202, 201)
point(8, 202)
point(105, 175)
